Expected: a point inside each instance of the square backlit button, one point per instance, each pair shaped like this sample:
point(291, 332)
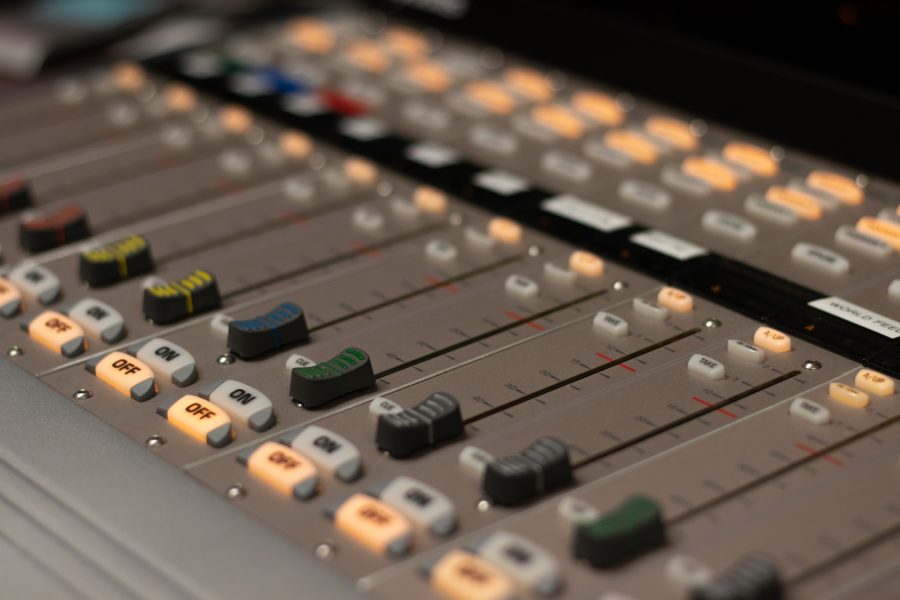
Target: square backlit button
point(847, 395)
point(286, 471)
point(57, 332)
point(675, 300)
point(374, 525)
point(463, 576)
point(10, 298)
point(125, 374)
point(772, 340)
point(200, 419)
point(874, 382)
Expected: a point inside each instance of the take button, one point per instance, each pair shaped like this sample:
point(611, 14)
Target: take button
point(126, 374)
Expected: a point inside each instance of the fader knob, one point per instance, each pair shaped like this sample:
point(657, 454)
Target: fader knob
point(282, 326)
point(634, 527)
point(15, 194)
point(348, 372)
point(436, 418)
point(754, 577)
point(539, 467)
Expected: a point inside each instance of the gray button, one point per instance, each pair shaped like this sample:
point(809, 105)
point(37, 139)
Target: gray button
point(494, 139)
point(650, 310)
point(758, 206)
point(674, 177)
point(819, 258)
point(558, 275)
point(432, 154)
point(894, 290)
point(646, 195)
point(441, 251)
point(610, 325)
point(298, 360)
point(501, 182)
point(331, 452)
point(523, 560)
point(422, 504)
point(849, 237)
point(36, 282)
point(575, 511)
point(383, 406)
point(167, 359)
point(521, 287)
point(99, 319)
point(426, 115)
point(245, 404)
point(368, 219)
point(473, 461)
point(363, 129)
point(597, 149)
point(566, 165)
point(728, 225)
point(746, 351)
point(688, 572)
point(809, 411)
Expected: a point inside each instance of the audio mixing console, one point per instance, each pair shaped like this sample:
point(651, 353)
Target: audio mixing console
point(427, 320)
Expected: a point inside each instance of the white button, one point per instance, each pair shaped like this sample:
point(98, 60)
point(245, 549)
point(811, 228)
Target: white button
point(645, 195)
point(363, 129)
point(746, 351)
point(524, 561)
point(432, 154)
point(479, 240)
point(559, 275)
point(648, 309)
point(586, 212)
point(522, 287)
point(298, 187)
point(298, 360)
point(219, 325)
point(249, 85)
point(473, 461)
point(501, 182)
point(494, 139)
point(167, 359)
point(422, 504)
point(525, 124)
point(383, 406)
point(425, 115)
point(245, 404)
point(99, 319)
point(894, 290)
point(441, 251)
point(566, 165)
point(597, 149)
point(853, 239)
point(303, 105)
point(404, 208)
point(688, 572)
point(368, 219)
point(810, 411)
point(707, 367)
point(236, 162)
point(674, 177)
point(757, 206)
point(36, 282)
point(728, 225)
point(819, 258)
point(609, 324)
point(575, 511)
point(331, 453)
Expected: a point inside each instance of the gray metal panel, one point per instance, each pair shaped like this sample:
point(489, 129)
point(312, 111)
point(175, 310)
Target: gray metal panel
point(100, 517)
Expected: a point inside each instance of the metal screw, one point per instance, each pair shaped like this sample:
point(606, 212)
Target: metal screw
point(535, 250)
point(82, 394)
point(456, 219)
point(235, 491)
point(154, 441)
point(483, 505)
point(812, 365)
point(862, 181)
point(712, 323)
point(384, 188)
point(225, 359)
point(326, 549)
point(15, 351)
point(698, 127)
point(620, 285)
point(777, 153)
point(317, 161)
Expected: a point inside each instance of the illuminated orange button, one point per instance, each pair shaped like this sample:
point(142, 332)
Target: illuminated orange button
point(674, 132)
point(675, 299)
point(713, 172)
point(530, 83)
point(841, 187)
point(360, 171)
point(406, 42)
point(772, 340)
point(285, 470)
point(127, 375)
point(559, 120)
point(848, 395)
point(180, 98)
point(10, 298)
point(374, 524)
point(311, 35)
point(757, 160)
point(804, 205)
point(128, 76)
point(463, 576)
point(491, 96)
point(874, 382)
point(430, 200)
point(633, 145)
point(200, 419)
point(368, 56)
point(881, 228)
point(602, 108)
point(504, 230)
point(429, 75)
point(235, 119)
point(295, 144)
point(586, 264)
point(57, 332)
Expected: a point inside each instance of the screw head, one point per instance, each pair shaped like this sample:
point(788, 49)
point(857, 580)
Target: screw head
point(82, 394)
point(235, 491)
point(384, 189)
point(15, 351)
point(712, 323)
point(325, 549)
point(619, 285)
point(812, 365)
point(483, 505)
point(456, 219)
point(535, 250)
point(225, 359)
point(154, 441)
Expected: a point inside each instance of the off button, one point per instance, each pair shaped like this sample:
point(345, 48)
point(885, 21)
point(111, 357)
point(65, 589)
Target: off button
point(200, 419)
point(126, 374)
point(57, 332)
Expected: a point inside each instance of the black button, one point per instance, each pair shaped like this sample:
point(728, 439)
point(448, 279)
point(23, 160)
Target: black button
point(14, 195)
point(634, 527)
point(46, 231)
point(434, 419)
point(283, 325)
point(115, 262)
point(541, 466)
point(180, 298)
point(754, 577)
point(348, 372)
